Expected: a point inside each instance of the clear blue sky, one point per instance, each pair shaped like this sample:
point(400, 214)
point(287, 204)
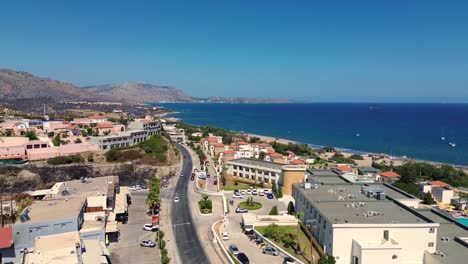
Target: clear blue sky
point(311, 50)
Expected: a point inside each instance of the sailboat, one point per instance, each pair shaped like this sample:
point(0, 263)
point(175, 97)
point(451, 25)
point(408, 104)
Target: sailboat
point(442, 137)
point(452, 144)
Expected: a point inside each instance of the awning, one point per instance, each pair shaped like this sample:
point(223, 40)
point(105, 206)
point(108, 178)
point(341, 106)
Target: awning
point(6, 237)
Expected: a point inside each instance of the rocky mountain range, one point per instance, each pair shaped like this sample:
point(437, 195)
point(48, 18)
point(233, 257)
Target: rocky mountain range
point(16, 85)
point(23, 85)
point(139, 93)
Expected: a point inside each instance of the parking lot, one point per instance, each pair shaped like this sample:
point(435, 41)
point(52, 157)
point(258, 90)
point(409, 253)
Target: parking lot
point(128, 249)
point(245, 245)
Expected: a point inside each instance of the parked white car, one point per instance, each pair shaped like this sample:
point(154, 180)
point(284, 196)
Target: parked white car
point(261, 193)
point(237, 196)
point(150, 227)
point(225, 236)
point(254, 191)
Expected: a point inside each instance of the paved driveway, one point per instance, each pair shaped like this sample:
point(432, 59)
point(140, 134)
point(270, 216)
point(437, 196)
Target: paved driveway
point(128, 249)
point(253, 252)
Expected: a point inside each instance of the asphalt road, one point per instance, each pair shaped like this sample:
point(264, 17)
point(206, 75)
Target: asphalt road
point(185, 234)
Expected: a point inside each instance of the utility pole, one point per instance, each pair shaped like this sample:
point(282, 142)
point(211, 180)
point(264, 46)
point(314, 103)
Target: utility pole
point(1, 205)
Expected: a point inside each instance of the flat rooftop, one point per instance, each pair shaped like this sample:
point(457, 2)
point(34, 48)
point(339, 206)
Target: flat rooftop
point(324, 177)
point(52, 209)
point(257, 163)
point(55, 249)
point(454, 251)
point(90, 187)
point(345, 203)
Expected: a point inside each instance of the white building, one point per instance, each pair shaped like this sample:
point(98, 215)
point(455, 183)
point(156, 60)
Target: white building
point(359, 224)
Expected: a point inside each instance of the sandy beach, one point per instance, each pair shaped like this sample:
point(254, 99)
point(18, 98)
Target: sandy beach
point(271, 139)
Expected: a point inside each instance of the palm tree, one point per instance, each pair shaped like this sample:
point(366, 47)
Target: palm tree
point(300, 216)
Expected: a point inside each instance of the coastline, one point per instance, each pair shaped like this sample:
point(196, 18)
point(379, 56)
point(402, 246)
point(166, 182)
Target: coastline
point(397, 160)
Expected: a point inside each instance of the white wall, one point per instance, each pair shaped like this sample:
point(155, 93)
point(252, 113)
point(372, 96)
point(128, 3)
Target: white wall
point(412, 238)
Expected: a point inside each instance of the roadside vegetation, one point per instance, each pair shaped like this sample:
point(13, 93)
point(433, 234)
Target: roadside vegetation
point(155, 151)
point(153, 199)
point(65, 160)
point(161, 243)
point(205, 205)
point(228, 136)
point(288, 238)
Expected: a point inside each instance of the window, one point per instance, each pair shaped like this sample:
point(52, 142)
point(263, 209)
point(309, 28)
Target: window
point(265, 179)
point(253, 177)
point(386, 234)
point(430, 244)
point(235, 173)
point(355, 260)
point(240, 174)
point(235, 167)
point(273, 174)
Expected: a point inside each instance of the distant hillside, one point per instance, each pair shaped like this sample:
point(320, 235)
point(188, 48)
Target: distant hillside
point(139, 93)
point(23, 85)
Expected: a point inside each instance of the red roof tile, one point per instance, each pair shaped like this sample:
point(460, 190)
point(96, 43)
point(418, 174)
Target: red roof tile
point(229, 152)
point(275, 155)
point(212, 139)
point(264, 145)
point(6, 237)
point(440, 183)
point(297, 162)
point(242, 143)
point(390, 174)
point(71, 127)
point(344, 168)
point(218, 145)
point(104, 125)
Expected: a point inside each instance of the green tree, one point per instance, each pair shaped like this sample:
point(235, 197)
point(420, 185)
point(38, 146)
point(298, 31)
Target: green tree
point(280, 193)
point(427, 198)
point(56, 140)
point(325, 259)
point(300, 216)
point(31, 135)
point(356, 157)
point(274, 210)
point(261, 156)
point(291, 208)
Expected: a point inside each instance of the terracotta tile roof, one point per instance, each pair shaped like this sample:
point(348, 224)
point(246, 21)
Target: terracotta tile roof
point(6, 237)
point(275, 155)
point(218, 145)
point(297, 162)
point(229, 152)
point(390, 174)
point(264, 145)
point(242, 143)
point(270, 150)
point(97, 117)
point(439, 183)
point(212, 139)
point(344, 168)
point(71, 127)
point(104, 125)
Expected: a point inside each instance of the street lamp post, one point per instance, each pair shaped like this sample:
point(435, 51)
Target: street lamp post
point(312, 225)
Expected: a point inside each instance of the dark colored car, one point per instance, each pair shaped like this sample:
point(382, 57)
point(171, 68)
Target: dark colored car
point(243, 258)
point(192, 178)
point(270, 196)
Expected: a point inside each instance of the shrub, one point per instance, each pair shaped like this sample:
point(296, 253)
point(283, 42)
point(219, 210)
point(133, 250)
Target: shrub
point(274, 210)
point(356, 157)
point(65, 160)
point(165, 259)
point(291, 208)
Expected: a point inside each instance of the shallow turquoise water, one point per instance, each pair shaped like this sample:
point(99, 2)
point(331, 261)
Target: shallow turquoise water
point(463, 221)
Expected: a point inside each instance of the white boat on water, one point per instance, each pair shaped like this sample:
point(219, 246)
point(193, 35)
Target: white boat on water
point(452, 144)
point(443, 138)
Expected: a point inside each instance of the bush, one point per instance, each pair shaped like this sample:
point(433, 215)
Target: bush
point(65, 160)
point(274, 210)
point(164, 252)
point(165, 259)
point(162, 244)
point(356, 157)
point(291, 208)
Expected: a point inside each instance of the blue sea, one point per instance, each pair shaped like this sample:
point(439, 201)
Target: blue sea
point(412, 130)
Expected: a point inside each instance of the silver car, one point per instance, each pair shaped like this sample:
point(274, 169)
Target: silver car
point(234, 249)
point(270, 251)
point(147, 243)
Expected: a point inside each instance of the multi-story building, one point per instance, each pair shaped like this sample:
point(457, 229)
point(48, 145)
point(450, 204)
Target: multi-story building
point(283, 176)
point(363, 223)
point(85, 206)
point(152, 127)
point(123, 139)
